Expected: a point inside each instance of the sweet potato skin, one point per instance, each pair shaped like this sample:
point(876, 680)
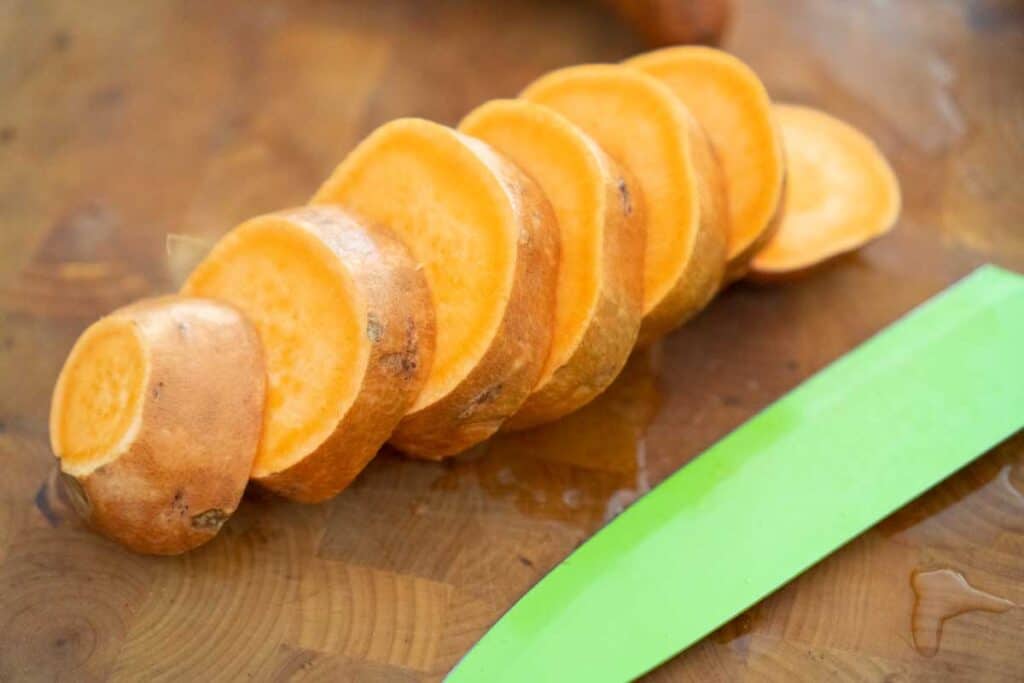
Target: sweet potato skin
point(612, 332)
point(702, 272)
point(653, 62)
point(705, 270)
point(506, 375)
point(400, 329)
point(740, 267)
point(202, 413)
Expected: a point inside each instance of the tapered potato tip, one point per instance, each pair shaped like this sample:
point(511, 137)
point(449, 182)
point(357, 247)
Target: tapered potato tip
point(156, 419)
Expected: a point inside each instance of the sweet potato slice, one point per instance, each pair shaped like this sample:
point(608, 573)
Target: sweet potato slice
point(488, 242)
point(840, 193)
point(732, 105)
point(347, 328)
point(156, 418)
point(639, 122)
point(600, 275)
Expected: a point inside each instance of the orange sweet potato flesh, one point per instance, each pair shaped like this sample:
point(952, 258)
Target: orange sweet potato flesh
point(840, 193)
point(644, 127)
point(345, 320)
point(732, 105)
point(487, 240)
point(600, 276)
point(156, 418)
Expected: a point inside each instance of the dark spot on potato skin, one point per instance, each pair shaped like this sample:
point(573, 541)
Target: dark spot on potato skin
point(158, 389)
point(179, 503)
point(374, 329)
point(627, 200)
point(480, 400)
point(209, 519)
point(404, 363)
point(399, 363)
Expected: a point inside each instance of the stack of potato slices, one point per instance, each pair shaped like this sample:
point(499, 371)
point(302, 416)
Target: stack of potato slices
point(446, 283)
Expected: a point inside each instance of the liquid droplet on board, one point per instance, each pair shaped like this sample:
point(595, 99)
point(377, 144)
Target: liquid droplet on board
point(1006, 477)
point(943, 594)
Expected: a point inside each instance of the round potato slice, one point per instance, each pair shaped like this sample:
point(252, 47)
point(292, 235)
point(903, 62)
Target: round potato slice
point(637, 120)
point(600, 276)
point(841, 194)
point(731, 103)
point(488, 242)
point(156, 419)
point(347, 328)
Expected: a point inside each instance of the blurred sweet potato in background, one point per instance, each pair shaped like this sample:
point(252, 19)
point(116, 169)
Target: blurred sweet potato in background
point(671, 22)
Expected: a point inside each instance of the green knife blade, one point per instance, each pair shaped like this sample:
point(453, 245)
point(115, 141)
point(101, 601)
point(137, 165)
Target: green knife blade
point(854, 443)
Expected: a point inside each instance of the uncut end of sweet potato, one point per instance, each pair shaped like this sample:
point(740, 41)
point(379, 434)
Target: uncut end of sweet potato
point(156, 418)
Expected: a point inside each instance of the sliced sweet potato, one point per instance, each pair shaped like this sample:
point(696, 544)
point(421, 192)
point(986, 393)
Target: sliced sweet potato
point(488, 243)
point(840, 193)
point(156, 418)
point(639, 122)
point(347, 328)
point(732, 105)
point(600, 275)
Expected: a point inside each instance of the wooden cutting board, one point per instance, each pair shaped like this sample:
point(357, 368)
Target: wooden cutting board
point(123, 123)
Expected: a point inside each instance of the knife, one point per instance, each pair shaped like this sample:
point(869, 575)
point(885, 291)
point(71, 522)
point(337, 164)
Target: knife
point(845, 449)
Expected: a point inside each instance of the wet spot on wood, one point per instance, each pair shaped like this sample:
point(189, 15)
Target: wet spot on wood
point(83, 234)
point(107, 97)
point(943, 594)
point(985, 16)
point(61, 41)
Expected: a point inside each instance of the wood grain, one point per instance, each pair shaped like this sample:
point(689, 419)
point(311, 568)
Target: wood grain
point(124, 124)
